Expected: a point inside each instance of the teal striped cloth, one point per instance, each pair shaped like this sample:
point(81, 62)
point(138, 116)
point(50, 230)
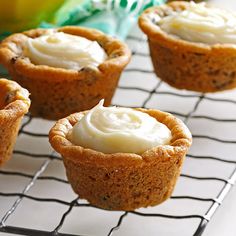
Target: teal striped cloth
point(3, 72)
point(113, 17)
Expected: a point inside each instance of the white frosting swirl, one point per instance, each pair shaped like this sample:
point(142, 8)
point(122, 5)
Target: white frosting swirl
point(199, 23)
point(115, 129)
point(58, 49)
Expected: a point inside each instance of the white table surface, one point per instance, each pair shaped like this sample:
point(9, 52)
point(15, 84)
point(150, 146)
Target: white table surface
point(223, 222)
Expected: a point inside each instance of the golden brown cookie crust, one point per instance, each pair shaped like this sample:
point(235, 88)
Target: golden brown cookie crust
point(57, 92)
point(184, 64)
point(14, 103)
point(123, 181)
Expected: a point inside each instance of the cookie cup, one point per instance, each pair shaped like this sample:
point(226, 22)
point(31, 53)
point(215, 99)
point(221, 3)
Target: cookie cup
point(14, 104)
point(57, 92)
point(123, 181)
point(188, 65)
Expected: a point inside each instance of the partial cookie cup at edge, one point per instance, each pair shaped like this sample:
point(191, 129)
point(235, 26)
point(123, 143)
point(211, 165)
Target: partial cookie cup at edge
point(57, 92)
point(123, 181)
point(14, 104)
point(188, 65)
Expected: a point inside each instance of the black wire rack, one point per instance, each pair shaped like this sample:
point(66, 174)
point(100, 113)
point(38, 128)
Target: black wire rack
point(36, 199)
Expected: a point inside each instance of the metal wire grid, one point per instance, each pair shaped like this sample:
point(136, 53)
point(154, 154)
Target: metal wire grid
point(225, 184)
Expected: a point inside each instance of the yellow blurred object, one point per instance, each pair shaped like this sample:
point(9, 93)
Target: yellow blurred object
point(18, 15)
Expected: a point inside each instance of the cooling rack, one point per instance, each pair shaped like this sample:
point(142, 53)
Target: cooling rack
point(36, 199)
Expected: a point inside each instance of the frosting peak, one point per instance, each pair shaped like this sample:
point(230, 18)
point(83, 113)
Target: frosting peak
point(202, 24)
point(116, 129)
point(58, 49)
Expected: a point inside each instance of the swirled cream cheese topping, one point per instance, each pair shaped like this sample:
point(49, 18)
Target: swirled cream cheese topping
point(58, 49)
point(199, 23)
point(116, 129)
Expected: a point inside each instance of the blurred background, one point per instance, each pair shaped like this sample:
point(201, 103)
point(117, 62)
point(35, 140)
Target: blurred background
point(114, 17)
